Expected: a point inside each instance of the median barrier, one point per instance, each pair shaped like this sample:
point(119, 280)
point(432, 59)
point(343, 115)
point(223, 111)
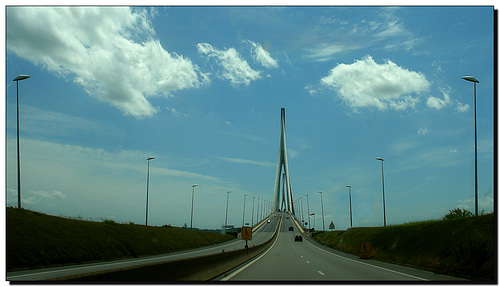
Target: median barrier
point(201, 268)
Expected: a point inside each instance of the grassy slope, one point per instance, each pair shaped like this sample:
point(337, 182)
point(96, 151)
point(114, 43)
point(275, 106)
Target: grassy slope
point(35, 239)
point(464, 247)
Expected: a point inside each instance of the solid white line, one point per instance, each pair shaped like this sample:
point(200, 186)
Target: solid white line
point(253, 261)
point(374, 266)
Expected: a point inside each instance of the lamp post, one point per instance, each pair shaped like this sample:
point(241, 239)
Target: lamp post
point(147, 191)
point(308, 212)
point(17, 79)
point(350, 206)
point(192, 205)
point(322, 211)
point(474, 80)
point(383, 184)
point(244, 205)
point(227, 205)
point(253, 204)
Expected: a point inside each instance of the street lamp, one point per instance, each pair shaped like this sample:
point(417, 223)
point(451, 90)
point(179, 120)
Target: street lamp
point(17, 79)
point(253, 204)
point(308, 212)
point(350, 206)
point(322, 212)
point(192, 205)
point(383, 188)
point(147, 191)
point(474, 80)
point(244, 204)
point(227, 205)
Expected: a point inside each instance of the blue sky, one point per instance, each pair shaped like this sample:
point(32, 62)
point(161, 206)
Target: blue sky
point(200, 89)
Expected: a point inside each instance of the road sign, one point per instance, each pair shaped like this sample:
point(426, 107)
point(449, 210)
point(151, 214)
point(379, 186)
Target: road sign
point(332, 226)
point(365, 250)
point(246, 233)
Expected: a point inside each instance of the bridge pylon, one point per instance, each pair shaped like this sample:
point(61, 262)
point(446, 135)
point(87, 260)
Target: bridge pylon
point(283, 200)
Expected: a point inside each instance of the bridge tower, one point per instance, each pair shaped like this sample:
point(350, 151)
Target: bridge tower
point(285, 201)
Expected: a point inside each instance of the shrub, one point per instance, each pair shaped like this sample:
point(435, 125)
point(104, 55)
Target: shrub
point(458, 213)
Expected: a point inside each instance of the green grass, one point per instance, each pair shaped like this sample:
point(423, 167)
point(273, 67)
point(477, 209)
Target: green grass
point(34, 240)
point(462, 247)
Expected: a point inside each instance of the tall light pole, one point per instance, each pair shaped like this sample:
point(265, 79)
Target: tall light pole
point(301, 211)
point(227, 205)
point(244, 205)
point(383, 186)
point(253, 204)
point(17, 79)
point(308, 212)
point(474, 80)
point(350, 206)
point(147, 191)
point(192, 205)
point(322, 213)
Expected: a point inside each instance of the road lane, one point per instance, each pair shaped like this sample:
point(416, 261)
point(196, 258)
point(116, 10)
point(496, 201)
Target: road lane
point(260, 235)
point(288, 260)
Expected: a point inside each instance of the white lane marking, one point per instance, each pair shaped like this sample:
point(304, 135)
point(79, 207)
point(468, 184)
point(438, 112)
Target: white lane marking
point(374, 266)
point(321, 273)
point(308, 262)
point(253, 261)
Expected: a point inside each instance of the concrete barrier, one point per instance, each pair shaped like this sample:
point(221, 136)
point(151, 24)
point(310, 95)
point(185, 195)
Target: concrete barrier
point(200, 268)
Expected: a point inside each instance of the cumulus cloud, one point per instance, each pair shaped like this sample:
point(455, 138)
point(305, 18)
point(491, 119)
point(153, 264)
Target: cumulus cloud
point(461, 107)
point(110, 51)
point(366, 83)
point(235, 68)
point(437, 103)
point(262, 56)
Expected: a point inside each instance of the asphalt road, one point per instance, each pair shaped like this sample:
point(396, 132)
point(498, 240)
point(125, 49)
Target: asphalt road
point(260, 235)
point(288, 260)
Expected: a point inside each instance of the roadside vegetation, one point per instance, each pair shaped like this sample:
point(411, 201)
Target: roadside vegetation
point(35, 239)
point(460, 245)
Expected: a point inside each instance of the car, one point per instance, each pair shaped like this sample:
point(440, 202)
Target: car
point(298, 238)
point(290, 228)
point(268, 221)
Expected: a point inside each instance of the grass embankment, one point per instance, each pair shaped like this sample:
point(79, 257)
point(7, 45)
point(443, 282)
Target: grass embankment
point(463, 247)
point(36, 240)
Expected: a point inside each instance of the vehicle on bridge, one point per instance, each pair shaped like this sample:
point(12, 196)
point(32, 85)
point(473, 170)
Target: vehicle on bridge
point(290, 228)
point(298, 238)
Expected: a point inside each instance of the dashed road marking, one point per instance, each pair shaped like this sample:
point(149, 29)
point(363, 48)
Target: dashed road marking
point(308, 262)
point(321, 273)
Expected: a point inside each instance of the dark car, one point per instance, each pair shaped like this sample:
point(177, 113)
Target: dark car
point(298, 238)
point(290, 228)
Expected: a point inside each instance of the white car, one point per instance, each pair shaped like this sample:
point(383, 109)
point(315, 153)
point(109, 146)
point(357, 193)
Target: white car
point(268, 221)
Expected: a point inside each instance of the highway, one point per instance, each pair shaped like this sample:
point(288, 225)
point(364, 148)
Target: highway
point(288, 260)
point(261, 234)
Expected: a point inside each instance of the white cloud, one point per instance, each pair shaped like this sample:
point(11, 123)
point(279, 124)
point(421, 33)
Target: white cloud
point(246, 161)
point(311, 90)
point(262, 56)
point(327, 51)
point(437, 103)
point(461, 107)
point(368, 84)
point(100, 47)
point(235, 69)
point(422, 131)
point(75, 180)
